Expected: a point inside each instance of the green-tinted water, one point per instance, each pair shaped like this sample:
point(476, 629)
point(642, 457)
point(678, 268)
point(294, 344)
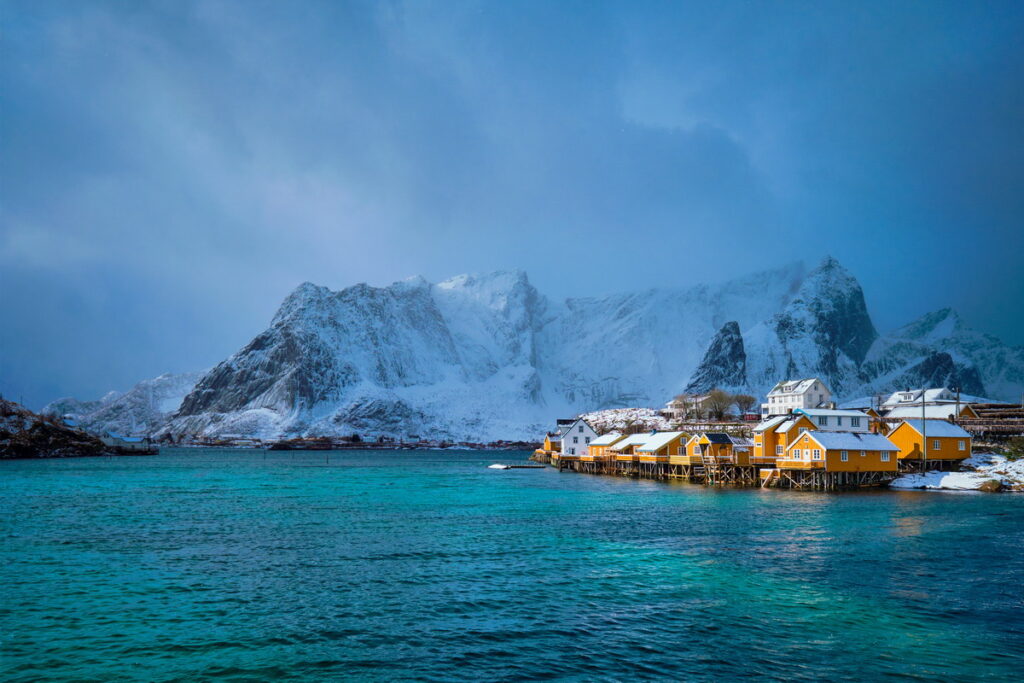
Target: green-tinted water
point(236, 565)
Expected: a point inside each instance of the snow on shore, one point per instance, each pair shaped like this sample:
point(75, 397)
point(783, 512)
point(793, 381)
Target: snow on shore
point(981, 468)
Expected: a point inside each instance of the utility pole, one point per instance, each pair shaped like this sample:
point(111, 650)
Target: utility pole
point(924, 436)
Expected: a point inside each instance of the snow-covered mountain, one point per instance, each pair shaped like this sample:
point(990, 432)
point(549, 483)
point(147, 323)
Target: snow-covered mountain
point(142, 410)
point(485, 357)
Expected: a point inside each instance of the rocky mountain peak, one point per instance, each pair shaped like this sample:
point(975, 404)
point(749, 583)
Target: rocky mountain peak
point(724, 364)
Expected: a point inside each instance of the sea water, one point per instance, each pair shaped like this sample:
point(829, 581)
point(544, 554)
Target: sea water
point(428, 565)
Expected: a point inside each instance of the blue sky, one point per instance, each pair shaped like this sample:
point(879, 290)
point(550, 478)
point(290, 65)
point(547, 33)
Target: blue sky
point(170, 170)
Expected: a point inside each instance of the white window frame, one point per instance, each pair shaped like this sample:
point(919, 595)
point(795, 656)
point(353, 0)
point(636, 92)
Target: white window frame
point(885, 456)
point(779, 449)
point(816, 454)
point(855, 422)
point(844, 456)
point(936, 445)
point(962, 445)
point(575, 439)
point(863, 454)
point(823, 420)
point(798, 454)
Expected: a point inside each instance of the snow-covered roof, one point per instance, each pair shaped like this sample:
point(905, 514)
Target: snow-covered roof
point(824, 412)
point(854, 441)
point(633, 440)
point(606, 440)
point(938, 394)
point(794, 386)
point(769, 423)
point(940, 411)
point(573, 426)
point(742, 442)
point(659, 440)
point(938, 428)
point(787, 425)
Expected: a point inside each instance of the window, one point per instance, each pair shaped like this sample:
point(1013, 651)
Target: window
point(961, 444)
point(581, 429)
point(844, 456)
point(855, 422)
point(575, 439)
point(839, 420)
point(586, 440)
point(803, 430)
point(823, 420)
point(936, 445)
point(796, 454)
point(863, 453)
point(572, 451)
point(885, 456)
point(778, 450)
point(817, 454)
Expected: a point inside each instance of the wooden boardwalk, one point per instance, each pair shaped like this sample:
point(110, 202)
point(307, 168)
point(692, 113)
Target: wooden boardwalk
point(717, 472)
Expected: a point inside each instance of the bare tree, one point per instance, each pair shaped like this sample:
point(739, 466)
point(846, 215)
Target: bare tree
point(744, 402)
point(718, 403)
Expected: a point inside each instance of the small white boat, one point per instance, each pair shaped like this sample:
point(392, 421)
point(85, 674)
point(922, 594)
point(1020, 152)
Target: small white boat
point(499, 466)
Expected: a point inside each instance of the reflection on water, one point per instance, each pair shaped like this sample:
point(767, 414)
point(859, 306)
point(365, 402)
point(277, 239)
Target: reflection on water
point(221, 564)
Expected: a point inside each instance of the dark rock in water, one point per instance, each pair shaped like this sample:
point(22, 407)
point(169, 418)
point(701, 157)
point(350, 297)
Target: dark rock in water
point(24, 434)
point(991, 486)
point(724, 364)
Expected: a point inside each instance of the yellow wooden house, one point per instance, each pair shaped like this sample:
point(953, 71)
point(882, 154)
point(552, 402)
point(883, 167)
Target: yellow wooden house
point(840, 452)
point(600, 447)
point(772, 437)
point(946, 441)
point(624, 450)
point(661, 446)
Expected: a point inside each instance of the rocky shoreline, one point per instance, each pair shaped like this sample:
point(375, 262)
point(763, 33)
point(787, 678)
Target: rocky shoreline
point(24, 434)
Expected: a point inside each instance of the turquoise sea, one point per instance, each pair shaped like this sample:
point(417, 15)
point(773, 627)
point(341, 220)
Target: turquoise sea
point(240, 565)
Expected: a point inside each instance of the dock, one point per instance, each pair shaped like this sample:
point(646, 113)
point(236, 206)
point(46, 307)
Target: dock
point(722, 472)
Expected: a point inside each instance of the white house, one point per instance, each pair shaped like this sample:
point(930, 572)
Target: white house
point(787, 396)
point(577, 437)
point(912, 397)
point(677, 409)
point(829, 420)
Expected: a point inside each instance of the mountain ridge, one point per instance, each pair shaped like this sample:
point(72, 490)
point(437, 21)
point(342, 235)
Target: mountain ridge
point(486, 356)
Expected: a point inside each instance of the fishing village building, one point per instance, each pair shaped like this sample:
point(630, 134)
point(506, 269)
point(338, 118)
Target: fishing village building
point(808, 444)
point(577, 437)
point(930, 444)
point(785, 397)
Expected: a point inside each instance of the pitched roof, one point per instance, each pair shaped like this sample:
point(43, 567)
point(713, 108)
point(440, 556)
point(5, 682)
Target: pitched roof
point(824, 412)
point(632, 440)
point(606, 440)
point(576, 422)
point(718, 437)
point(853, 441)
point(941, 411)
point(786, 426)
point(770, 422)
point(659, 440)
point(794, 386)
point(938, 428)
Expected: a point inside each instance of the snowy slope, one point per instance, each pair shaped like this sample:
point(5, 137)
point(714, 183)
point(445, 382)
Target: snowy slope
point(142, 410)
point(486, 357)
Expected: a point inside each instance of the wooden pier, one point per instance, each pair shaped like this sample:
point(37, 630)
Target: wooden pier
point(711, 471)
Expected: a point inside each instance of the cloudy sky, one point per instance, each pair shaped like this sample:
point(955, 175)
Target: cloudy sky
point(170, 170)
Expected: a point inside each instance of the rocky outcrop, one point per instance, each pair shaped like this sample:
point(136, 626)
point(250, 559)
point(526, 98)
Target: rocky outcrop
point(725, 363)
point(24, 434)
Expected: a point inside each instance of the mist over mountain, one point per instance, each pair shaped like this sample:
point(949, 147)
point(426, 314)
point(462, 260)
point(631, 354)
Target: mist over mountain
point(487, 357)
